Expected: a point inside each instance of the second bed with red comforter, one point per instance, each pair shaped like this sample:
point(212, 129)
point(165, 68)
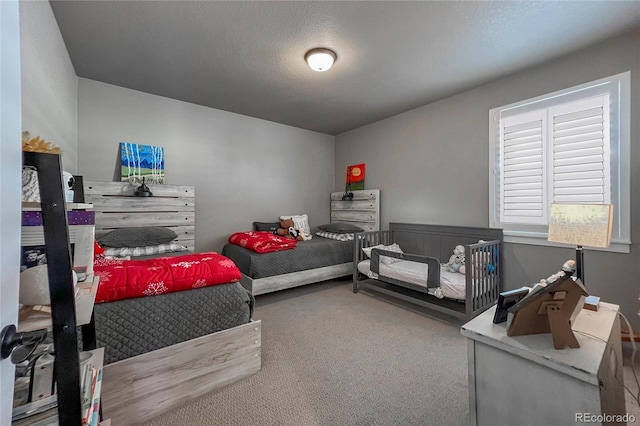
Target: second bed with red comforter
point(262, 241)
point(124, 279)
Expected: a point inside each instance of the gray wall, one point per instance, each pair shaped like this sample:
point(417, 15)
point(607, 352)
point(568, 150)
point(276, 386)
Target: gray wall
point(432, 165)
point(49, 82)
point(244, 169)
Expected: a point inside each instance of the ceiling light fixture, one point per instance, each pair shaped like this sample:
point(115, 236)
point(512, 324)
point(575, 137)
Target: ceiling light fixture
point(320, 59)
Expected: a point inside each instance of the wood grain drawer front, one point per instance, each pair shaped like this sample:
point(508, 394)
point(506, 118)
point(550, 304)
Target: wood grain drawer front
point(354, 205)
point(143, 204)
point(353, 216)
point(357, 195)
point(99, 189)
point(110, 220)
point(366, 226)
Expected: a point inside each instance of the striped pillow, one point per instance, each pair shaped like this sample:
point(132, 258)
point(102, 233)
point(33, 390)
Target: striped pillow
point(335, 236)
point(145, 251)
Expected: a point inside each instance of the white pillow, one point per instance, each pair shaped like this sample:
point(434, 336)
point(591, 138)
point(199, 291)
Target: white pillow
point(384, 259)
point(367, 250)
point(300, 221)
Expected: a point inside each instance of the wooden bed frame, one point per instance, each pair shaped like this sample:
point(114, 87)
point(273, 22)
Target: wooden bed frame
point(172, 206)
point(436, 241)
point(139, 388)
point(362, 211)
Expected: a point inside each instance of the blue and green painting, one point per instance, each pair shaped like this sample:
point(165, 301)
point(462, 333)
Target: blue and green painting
point(138, 161)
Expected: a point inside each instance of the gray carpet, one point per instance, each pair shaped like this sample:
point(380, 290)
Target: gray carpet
point(331, 357)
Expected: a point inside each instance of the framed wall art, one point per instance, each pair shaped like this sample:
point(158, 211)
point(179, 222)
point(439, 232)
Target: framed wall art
point(355, 177)
point(141, 161)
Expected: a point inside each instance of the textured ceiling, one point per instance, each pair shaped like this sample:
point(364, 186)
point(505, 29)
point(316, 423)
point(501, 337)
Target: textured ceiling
point(248, 57)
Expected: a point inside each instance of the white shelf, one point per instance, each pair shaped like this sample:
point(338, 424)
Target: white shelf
point(33, 318)
point(31, 206)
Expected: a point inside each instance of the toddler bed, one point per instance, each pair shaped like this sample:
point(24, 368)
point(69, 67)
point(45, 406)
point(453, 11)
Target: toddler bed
point(408, 265)
point(311, 261)
point(171, 336)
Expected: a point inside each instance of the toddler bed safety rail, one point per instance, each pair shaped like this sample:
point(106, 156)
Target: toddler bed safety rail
point(426, 248)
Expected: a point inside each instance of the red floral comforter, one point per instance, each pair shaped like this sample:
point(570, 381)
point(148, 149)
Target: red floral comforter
point(124, 279)
point(262, 241)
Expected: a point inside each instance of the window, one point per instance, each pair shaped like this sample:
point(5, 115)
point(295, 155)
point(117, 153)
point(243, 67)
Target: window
point(570, 146)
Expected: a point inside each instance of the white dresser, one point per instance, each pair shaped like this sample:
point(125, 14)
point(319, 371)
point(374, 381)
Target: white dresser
point(524, 380)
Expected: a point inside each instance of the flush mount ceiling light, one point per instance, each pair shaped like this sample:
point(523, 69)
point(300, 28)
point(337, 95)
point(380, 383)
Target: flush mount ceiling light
point(320, 59)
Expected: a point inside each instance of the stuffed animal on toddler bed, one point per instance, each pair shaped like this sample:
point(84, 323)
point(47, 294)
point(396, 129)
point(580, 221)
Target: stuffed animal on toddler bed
point(456, 261)
point(480, 263)
point(287, 230)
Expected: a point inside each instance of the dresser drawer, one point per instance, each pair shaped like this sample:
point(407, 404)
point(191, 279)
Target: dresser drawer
point(353, 216)
point(354, 205)
point(366, 226)
point(371, 194)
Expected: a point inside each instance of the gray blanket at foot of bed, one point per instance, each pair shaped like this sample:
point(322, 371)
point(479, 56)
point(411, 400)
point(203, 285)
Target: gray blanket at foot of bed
point(131, 327)
point(315, 253)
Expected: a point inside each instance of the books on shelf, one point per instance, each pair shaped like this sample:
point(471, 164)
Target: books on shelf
point(91, 389)
point(88, 380)
point(45, 411)
point(91, 413)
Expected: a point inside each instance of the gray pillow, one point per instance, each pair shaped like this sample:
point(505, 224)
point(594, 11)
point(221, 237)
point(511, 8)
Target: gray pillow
point(340, 228)
point(137, 237)
point(266, 226)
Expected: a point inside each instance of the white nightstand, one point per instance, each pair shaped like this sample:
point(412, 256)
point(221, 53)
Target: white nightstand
point(524, 380)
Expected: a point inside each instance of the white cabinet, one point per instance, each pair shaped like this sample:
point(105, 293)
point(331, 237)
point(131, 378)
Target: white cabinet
point(524, 380)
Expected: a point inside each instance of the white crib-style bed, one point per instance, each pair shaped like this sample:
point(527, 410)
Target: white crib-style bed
point(417, 275)
point(452, 284)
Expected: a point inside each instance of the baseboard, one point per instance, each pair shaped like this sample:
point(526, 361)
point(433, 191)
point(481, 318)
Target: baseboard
point(626, 337)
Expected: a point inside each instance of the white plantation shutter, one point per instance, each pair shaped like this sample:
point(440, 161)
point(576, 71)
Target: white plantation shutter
point(569, 146)
point(581, 166)
point(522, 183)
point(554, 155)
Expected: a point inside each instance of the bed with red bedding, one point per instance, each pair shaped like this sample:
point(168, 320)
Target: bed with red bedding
point(125, 279)
point(156, 295)
point(271, 263)
point(178, 325)
point(262, 241)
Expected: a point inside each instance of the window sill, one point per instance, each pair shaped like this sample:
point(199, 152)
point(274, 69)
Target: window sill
point(538, 239)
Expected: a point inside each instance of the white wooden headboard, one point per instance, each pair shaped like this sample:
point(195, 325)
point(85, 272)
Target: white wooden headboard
point(362, 211)
point(171, 206)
